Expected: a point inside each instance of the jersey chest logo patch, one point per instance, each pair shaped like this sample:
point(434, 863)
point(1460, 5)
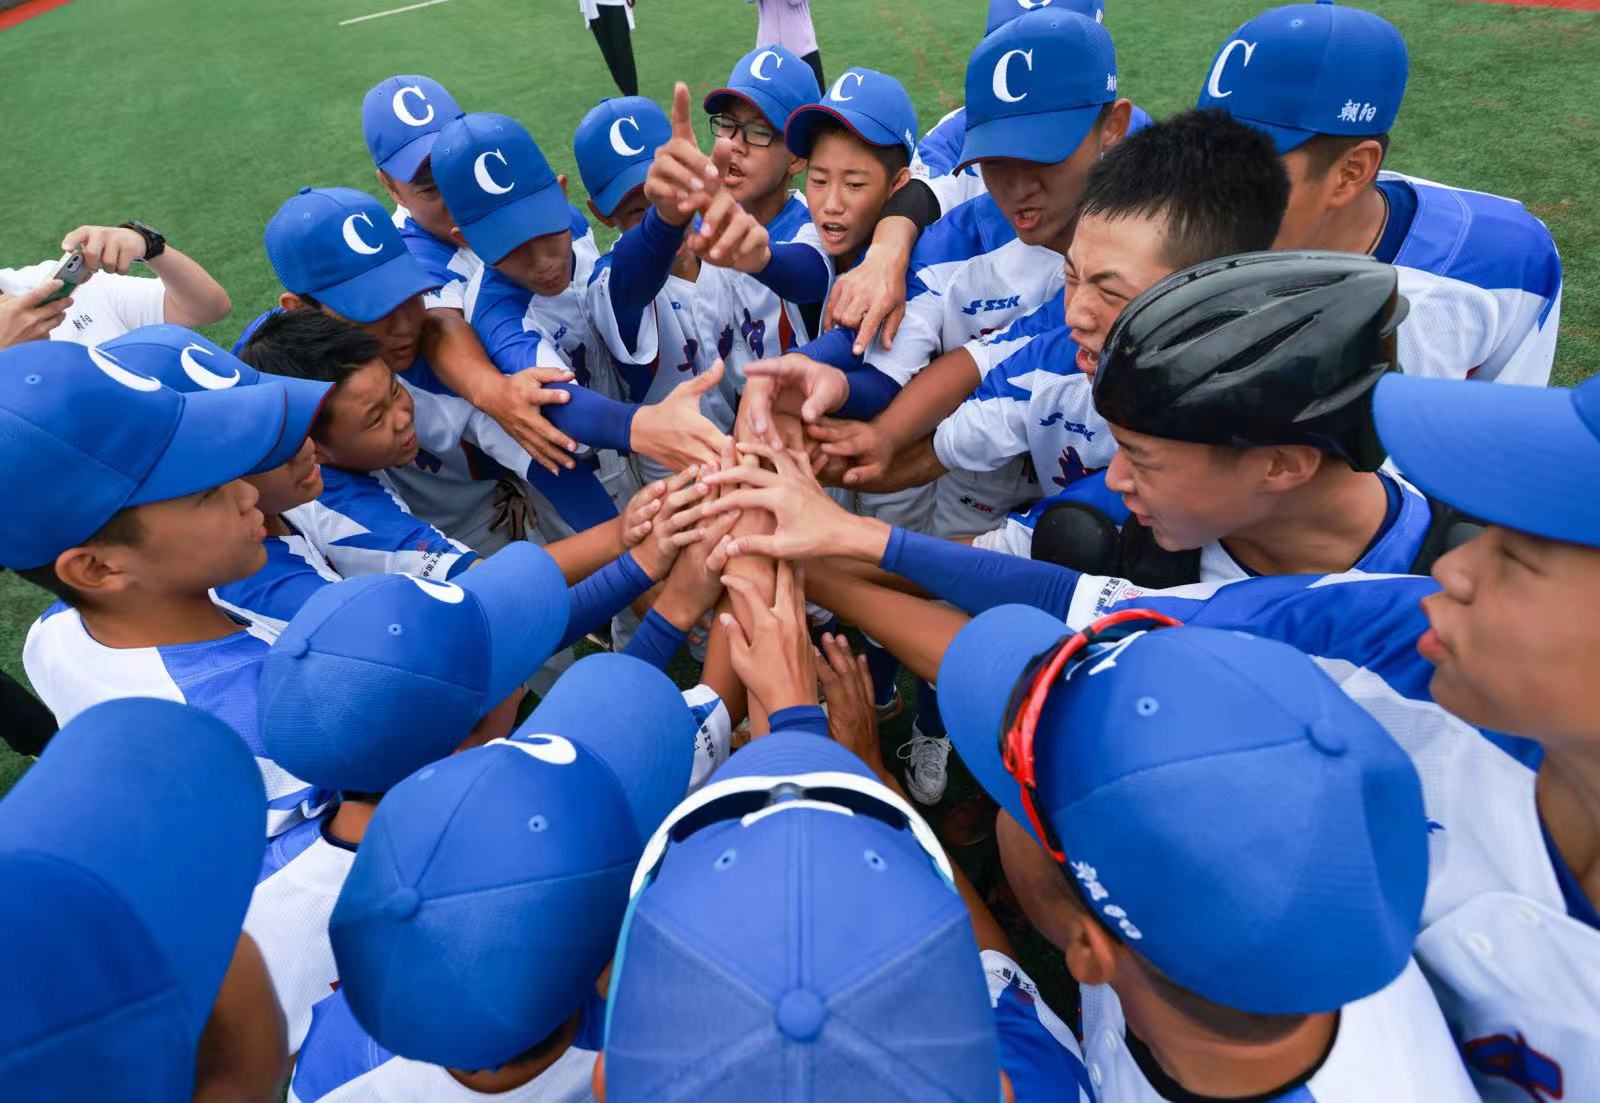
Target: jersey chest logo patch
point(1072, 468)
point(983, 306)
point(1070, 426)
point(755, 334)
point(1511, 1058)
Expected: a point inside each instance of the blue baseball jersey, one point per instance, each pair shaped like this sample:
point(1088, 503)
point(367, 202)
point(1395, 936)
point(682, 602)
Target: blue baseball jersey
point(450, 264)
point(340, 1063)
point(295, 569)
point(362, 526)
point(1484, 281)
point(1038, 1052)
point(72, 671)
point(301, 875)
point(1392, 1045)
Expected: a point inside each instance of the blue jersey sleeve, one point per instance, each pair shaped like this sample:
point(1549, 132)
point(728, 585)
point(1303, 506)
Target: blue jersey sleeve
point(656, 641)
point(640, 262)
point(797, 273)
point(800, 718)
point(364, 529)
point(603, 595)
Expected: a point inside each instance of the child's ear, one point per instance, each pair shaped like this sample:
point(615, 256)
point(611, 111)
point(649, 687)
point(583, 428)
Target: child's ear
point(92, 569)
point(388, 185)
point(290, 301)
point(1092, 954)
point(901, 179)
point(797, 165)
point(459, 238)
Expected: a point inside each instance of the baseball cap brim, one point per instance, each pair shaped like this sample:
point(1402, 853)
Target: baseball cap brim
point(977, 675)
point(1284, 138)
point(526, 602)
point(611, 196)
point(1046, 138)
point(791, 753)
point(801, 129)
point(404, 162)
point(128, 770)
point(220, 436)
point(633, 719)
point(504, 228)
point(1434, 430)
point(770, 108)
point(303, 401)
point(377, 291)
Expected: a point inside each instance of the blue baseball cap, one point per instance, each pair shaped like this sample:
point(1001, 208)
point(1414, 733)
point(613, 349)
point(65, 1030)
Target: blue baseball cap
point(339, 246)
point(498, 185)
point(100, 437)
point(1544, 488)
point(377, 676)
point(1225, 809)
point(1002, 12)
point(872, 105)
point(773, 80)
point(115, 946)
point(1311, 69)
point(400, 118)
point(188, 362)
point(615, 144)
point(1036, 86)
point(485, 900)
point(865, 982)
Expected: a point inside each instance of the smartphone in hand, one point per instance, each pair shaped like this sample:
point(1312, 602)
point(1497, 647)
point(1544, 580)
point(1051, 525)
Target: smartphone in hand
point(71, 272)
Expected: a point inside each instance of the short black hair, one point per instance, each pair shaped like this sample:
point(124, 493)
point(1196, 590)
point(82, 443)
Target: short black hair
point(892, 158)
point(1219, 183)
point(123, 530)
point(309, 344)
point(1327, 150)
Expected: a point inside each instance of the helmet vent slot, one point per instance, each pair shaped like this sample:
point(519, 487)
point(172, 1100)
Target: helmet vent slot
point(1268, 344)
point(1208, 324)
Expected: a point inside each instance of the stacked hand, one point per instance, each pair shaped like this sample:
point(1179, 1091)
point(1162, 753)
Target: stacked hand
point(674, 432)
point(859, 451)
point(669, 524)
point(847, 688)
point(695, 584)
point(770, 646)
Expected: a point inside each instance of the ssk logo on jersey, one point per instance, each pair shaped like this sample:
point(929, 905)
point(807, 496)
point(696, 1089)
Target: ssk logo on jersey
point(983, 306)
point(1070, 426)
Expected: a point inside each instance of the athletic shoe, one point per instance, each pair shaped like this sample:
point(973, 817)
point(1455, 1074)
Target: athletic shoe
point(927, 769)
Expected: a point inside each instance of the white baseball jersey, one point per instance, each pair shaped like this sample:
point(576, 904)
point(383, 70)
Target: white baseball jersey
point(362, 526)
point(739, 318)
point(1509, 941)
point(72, 671)
point(105, 306)
point(452, 265)
point(713, 735)
point(340, 1063)
point(1484, 282)
point(301, 876)
point(1038, 1052)
point(1391, 1046)
point(666, 349)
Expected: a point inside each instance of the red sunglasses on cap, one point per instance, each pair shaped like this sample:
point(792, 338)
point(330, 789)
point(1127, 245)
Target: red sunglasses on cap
point(1033, 689)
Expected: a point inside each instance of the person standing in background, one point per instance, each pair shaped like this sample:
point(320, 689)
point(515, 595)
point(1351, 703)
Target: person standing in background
point(788, 23)
point(612, 24)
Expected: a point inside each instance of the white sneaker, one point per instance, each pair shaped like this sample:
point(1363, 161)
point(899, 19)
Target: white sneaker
point(927, 772)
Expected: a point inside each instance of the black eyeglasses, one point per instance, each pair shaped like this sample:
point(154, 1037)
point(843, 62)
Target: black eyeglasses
point(759, 135)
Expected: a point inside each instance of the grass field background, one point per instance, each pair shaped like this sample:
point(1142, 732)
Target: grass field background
point(201, 117)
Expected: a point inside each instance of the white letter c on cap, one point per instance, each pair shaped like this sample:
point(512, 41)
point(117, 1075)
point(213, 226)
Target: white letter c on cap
point(130, 379)
point(353, 238)
point(554, 749)
point(1214, 85)
point(620, 144)
point(1002, 90)
point(447, 592)
point(836, 93)
point(202, 375)
point(480, 173)
point(403, 113)
point(756, 62)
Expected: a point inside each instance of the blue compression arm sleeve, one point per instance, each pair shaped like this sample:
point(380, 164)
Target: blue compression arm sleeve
point(975, 579)
point(870, 392)
point(577, 494)
point(603, 595)
point(800, 718)
point(592, 418)
point(835, 347)
point(656, 641)
point(796, 273)
point(640, 262)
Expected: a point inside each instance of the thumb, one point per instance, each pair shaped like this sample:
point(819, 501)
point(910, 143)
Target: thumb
point(707, 379)
point(38, 294)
